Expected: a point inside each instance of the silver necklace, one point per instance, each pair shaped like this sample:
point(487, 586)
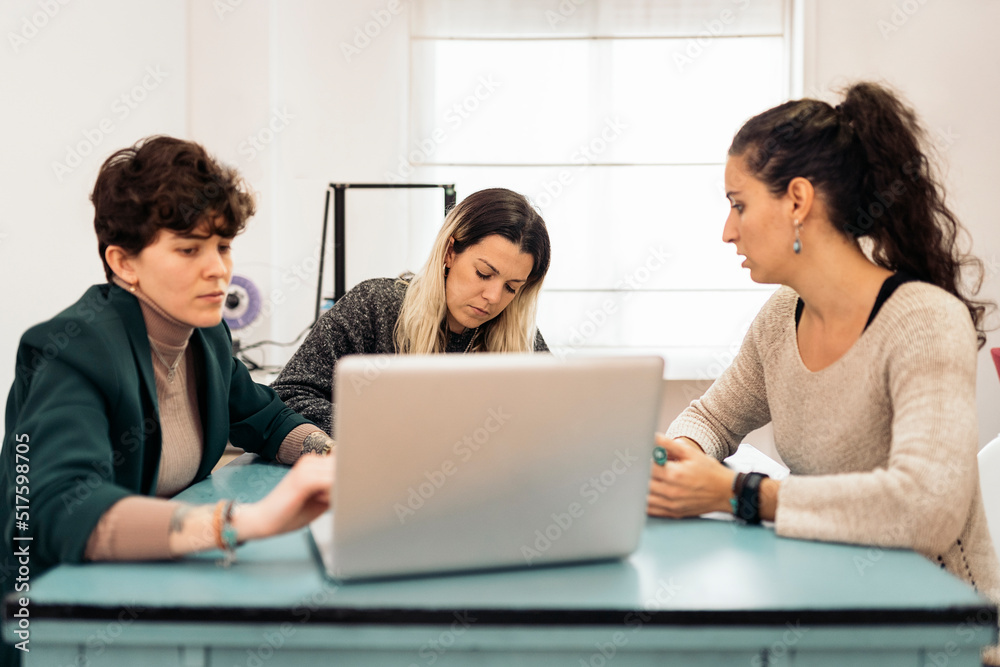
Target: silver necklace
point(171, 368)
point(471, 340)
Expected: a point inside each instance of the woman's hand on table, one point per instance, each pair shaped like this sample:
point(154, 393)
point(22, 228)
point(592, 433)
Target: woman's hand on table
point(690, 482)
point(301, 496)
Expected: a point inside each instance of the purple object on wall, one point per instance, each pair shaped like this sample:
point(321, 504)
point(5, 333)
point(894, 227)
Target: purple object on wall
point(242, 303)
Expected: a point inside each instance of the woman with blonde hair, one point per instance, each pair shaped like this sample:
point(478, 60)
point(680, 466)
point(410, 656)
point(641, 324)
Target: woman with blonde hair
point(478, 292)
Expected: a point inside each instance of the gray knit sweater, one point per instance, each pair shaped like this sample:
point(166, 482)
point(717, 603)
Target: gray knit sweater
point(881, 444)
point(361, 322)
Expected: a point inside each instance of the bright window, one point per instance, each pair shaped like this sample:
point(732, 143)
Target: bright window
point(614, 117)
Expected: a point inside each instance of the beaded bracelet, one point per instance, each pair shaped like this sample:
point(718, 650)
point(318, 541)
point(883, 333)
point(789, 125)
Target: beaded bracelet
point(225, 532)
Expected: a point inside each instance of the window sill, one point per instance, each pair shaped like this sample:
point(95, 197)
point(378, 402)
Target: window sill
point(681, 363)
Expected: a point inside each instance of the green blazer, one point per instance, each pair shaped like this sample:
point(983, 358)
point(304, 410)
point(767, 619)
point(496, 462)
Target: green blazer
point(83, 422)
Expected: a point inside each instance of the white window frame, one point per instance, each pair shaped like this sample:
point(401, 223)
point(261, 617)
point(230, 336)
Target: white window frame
point(649, 311)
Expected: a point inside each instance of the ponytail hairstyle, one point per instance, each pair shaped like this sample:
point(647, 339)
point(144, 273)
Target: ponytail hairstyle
point(866, 159)
point(421, 327)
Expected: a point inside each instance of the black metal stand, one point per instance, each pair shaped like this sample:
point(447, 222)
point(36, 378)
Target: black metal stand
point(339, 247)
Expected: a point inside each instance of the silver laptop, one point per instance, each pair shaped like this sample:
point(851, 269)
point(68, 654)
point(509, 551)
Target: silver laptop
point(461, 462)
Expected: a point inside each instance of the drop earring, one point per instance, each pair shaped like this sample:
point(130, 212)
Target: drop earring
point(797, 246)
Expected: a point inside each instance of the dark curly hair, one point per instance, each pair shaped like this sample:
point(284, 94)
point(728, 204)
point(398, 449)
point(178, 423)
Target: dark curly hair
point(165, 183)
point(867, 161)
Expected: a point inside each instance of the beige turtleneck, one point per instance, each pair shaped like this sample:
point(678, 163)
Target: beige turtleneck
point(137, 527)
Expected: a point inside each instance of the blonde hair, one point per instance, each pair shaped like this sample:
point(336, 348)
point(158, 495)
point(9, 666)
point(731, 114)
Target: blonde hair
point(421, 327)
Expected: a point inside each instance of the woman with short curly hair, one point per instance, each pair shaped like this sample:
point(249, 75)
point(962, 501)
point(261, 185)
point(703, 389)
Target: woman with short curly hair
point(130, 395)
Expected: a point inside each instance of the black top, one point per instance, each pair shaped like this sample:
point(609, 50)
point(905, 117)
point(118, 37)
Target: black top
point(888, 287)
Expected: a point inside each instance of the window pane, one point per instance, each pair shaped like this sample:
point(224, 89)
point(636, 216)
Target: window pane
point(684, 109)
point(584, 101)
point(619, 140)
point(648, 241)
point(590, 18)
point(500, 102)
point(648, 228)
point(596, 320)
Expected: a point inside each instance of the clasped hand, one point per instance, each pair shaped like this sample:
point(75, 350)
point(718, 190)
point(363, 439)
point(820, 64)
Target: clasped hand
point(689, 484)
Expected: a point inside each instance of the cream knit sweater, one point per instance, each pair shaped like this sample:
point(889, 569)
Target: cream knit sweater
point(881, 444)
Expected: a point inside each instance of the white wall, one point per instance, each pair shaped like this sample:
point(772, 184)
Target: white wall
point(76, 85)
point(230, 105)
point(276, 72)
point(350, 126)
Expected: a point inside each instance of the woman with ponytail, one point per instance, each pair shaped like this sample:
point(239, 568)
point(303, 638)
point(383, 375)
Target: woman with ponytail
point(477, 292)
point(864, 361)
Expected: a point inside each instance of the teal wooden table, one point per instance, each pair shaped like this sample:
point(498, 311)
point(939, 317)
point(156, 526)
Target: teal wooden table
point(697, 592)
